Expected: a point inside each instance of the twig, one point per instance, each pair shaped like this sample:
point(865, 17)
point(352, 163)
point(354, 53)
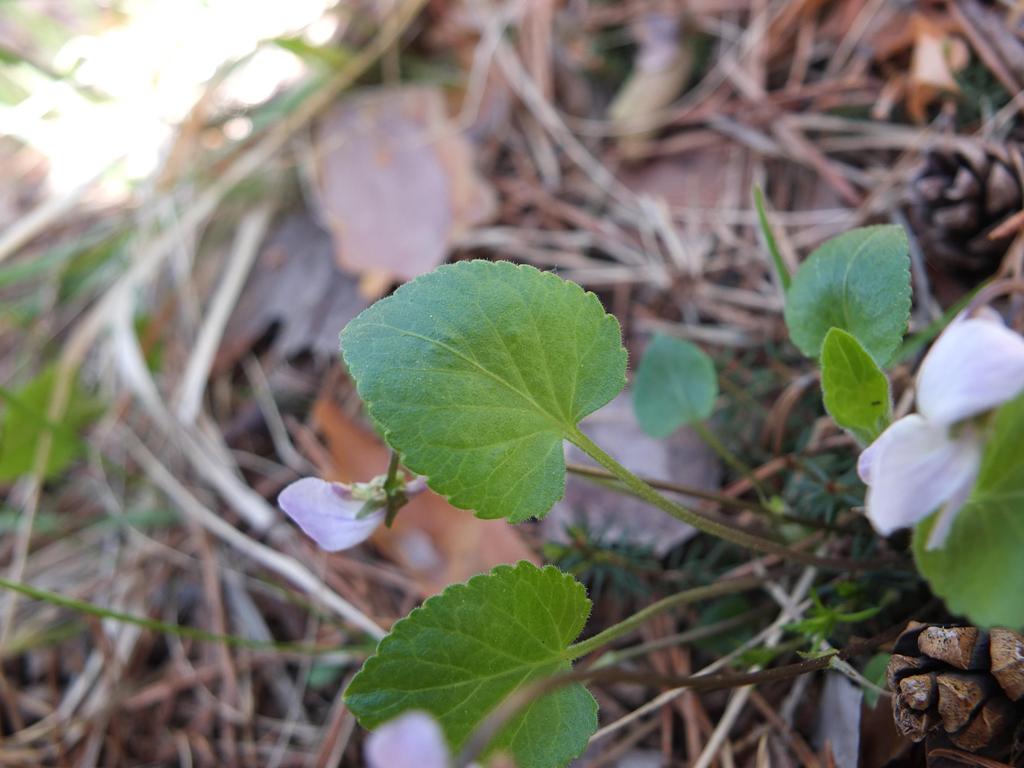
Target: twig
point(283, 565)
point(623, 628)
point(791, 610)
point(248, 237)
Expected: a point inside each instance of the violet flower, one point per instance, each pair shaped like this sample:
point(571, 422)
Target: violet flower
point(329, 513)
point(930, 460)
point(413, 740)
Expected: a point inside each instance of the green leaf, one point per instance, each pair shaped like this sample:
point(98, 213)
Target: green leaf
point(25, 422)
point(477, 371)
point(465, 651)
point(979, 571)
point(856, 392)
point(769, 239)
point(331, 55)
point(674, 385)
point(874, 671)
point(859, 282)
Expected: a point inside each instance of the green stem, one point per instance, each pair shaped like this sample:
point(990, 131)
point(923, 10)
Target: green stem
point(695, 634)
point(394, 490)
point(624, 627)
point(608, 480)
point(518, 701)
point(730, 458)
point(392, 469)
point(192, 633)
point(598, 474)
point(702, 523)
point(514, 704)
point(769, 239)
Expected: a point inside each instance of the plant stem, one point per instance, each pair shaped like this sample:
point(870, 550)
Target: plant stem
point(624, 627)
point(393, 490)
point(702, 682)
point(692, 635)
point(769, 239)
point(392, 468)
point(702, 523)
point(520, 699)
point(514, 704)
point(730, 458)
point(598, 474)
point(154, 625)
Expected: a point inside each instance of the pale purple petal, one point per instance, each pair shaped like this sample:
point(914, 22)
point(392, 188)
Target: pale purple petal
point(975, 365)
point(866, 460)
point(944, 522)
point(913, 469)
point(327, 513)
point(415, 486)
point(413, 740)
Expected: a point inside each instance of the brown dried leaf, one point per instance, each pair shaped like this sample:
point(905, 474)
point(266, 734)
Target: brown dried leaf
point(296, 285)
point(661, 68)
point(435, 542)
point(695, 179)
point(396, 181)
point(937, 56)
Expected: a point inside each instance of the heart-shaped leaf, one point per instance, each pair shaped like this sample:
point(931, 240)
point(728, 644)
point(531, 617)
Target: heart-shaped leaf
point(856, 392)
point(477, 371)
point(979, 571)
point(675, 385)
point(465, 651)
point(859, 282)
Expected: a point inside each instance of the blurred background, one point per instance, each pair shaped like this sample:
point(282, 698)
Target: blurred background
point(197, 195)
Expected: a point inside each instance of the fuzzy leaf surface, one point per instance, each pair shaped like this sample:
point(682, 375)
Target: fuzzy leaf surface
point(856, 391)
point(858, 282)
point(675, 385)
point(476, 373)
point(465, 651)
point(979, 571)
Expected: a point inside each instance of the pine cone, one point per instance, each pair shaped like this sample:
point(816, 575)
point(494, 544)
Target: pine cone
point(959, 194)
point(966, 682)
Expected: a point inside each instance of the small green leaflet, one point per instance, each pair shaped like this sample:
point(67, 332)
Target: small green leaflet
point(874, 672)
point(25, 422)
point(465, 651)
point(674, 385)
point(769, 239)
point(477, 371)
point(979, 571)
point(332, 56)
point(858, 282)
point(856, 392)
